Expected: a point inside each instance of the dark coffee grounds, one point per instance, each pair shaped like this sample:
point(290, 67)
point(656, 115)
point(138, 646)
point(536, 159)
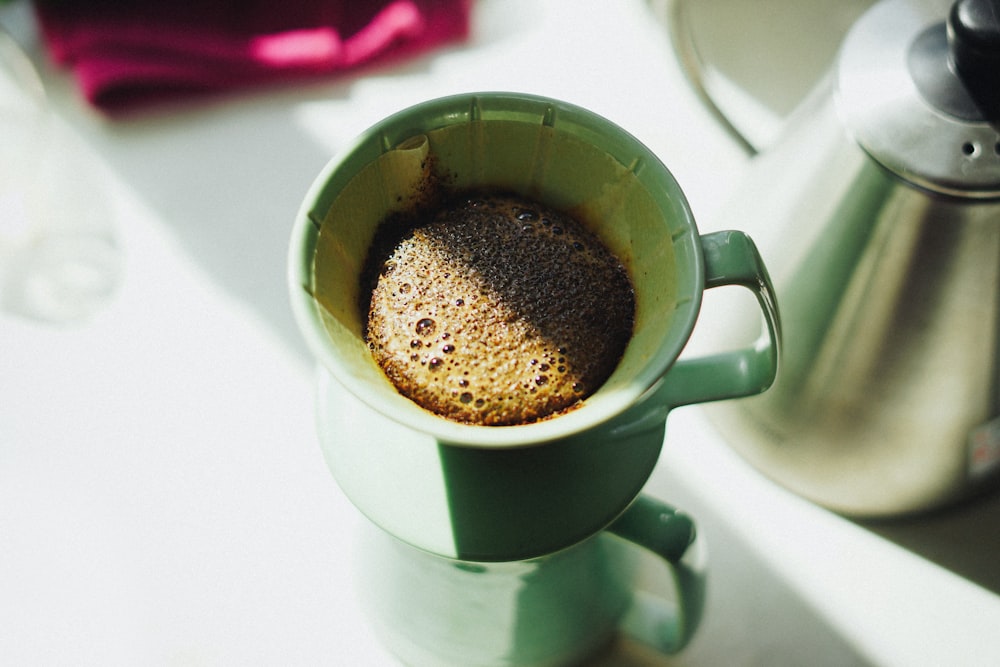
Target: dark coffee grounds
point(496, 310)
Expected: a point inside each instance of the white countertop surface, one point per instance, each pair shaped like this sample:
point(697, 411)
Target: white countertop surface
point(163, 499)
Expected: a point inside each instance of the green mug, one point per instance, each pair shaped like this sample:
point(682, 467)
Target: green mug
point(552, 610)
point(492, 494)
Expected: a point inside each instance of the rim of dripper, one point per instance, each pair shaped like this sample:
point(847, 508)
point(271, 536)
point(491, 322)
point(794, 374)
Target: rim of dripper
point(438, 113)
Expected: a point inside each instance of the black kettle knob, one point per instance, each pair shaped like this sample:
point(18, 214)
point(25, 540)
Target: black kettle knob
point(974, 51)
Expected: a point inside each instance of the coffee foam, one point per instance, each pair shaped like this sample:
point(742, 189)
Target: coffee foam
point(497, 310)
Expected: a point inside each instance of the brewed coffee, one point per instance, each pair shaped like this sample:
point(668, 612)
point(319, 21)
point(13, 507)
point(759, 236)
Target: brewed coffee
point(493, 309)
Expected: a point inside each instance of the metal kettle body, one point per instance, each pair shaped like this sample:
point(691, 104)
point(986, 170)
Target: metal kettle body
point(887, 268)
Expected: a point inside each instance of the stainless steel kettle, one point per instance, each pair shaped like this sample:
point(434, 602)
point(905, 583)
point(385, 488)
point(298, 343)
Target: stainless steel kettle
point(878, 211)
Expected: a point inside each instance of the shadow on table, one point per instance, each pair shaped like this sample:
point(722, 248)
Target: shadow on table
point(964, 538)
point(752, 615)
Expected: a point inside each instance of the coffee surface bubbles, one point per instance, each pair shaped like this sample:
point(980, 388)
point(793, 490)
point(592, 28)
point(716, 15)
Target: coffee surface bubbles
point(495, 310)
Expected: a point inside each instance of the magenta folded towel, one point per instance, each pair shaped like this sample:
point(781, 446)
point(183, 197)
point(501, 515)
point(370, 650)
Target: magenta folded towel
point(126, 53)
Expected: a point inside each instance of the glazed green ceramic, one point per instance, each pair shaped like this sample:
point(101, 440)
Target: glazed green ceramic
point(503, 493)
point(552, 610)
point(514, 493)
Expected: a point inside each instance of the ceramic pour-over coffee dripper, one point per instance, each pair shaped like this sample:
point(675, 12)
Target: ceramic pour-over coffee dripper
point(510, 512)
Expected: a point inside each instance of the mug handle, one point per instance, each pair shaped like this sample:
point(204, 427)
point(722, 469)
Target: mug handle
point(665, 625)
point(731, 258)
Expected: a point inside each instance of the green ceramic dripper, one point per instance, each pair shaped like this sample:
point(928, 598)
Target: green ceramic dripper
point(478, 494)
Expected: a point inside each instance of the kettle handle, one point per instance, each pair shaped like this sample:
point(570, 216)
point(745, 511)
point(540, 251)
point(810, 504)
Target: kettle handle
point(674, 15)
point(731, 258)
point(666, 626)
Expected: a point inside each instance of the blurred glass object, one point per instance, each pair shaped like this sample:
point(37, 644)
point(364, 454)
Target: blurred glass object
point(59, 255)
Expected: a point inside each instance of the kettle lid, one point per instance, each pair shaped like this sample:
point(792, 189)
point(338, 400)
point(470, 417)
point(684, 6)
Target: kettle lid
point(918, 85)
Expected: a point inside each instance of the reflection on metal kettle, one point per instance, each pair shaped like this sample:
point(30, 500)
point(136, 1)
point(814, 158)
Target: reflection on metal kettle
point(878, 211)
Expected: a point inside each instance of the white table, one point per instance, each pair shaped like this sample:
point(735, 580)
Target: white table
point(163, 500)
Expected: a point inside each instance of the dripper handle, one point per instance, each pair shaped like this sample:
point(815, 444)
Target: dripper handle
point(666, 626)
point(731, 258)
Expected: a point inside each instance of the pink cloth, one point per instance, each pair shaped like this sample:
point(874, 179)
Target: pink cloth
point(126, 53)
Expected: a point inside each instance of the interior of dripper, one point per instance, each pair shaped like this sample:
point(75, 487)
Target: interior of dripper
point(593, 171)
